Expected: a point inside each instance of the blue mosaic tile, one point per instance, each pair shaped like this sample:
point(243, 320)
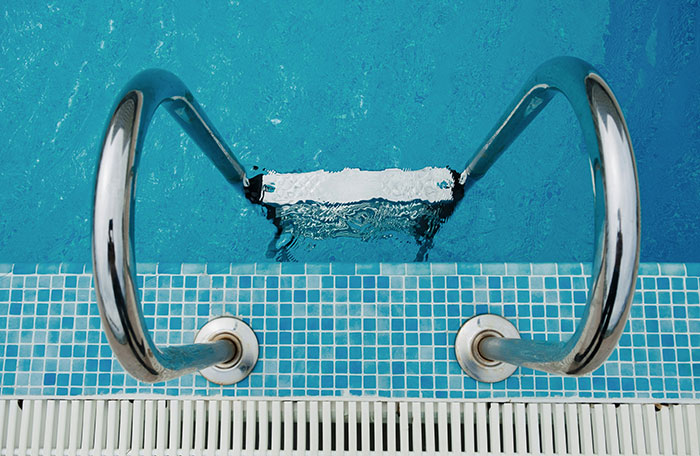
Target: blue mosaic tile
point(418, 269)
point(343, 329)
point(47, 268)
point(569, 268)
point(468, 268)
point(518, 268)
point(544, 269)
point(393, 268)
point(316, 268)
point(493, 268)
point(238, 269)
point(443, 268)
point(370, 268)
point(168, 268)
point(692, 269)
point(648, 269)
point(72, 268)
point(220, 268)
point(24, 268)
point(293, 268)
point(193, 268)
point(146, 268)
point(672, 269)
point(342, 268)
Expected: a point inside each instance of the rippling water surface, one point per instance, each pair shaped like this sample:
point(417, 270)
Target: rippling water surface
point(310, 86)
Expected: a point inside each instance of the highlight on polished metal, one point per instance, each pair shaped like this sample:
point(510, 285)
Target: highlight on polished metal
point(245, 354)
point(112, 242)
point(617, 219)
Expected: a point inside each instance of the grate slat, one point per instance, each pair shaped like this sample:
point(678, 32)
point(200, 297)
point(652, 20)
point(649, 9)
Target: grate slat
point(161, 427)
point(586, 424)
point(442, 427)
point(693, 428)
point(391, 426)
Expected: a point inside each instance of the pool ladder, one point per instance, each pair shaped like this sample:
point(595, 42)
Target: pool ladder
point(488, 347)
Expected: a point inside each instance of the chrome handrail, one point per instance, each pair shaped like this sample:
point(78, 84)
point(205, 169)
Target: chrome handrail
point(617, 223)
point(112, 242)
point(616, 235)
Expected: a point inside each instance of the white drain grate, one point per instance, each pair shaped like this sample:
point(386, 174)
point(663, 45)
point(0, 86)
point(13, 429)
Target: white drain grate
point(256, 427)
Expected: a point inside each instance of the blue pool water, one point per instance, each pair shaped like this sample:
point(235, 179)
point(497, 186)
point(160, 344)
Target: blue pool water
point(310, 86)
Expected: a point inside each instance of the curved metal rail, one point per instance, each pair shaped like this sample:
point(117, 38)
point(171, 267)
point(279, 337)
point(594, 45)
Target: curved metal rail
point(617, 218)
point(112, 243)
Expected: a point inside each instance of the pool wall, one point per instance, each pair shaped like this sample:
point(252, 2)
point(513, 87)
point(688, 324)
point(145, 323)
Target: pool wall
point(348, 330)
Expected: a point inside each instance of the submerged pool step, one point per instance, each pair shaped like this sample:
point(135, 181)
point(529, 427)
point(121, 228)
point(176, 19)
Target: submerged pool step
point(256, 427)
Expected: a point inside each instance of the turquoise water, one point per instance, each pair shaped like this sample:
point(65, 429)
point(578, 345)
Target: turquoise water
point(329, 85)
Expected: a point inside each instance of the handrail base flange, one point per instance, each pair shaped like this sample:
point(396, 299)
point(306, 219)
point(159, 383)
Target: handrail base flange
point(246, 349)
point(470, 335)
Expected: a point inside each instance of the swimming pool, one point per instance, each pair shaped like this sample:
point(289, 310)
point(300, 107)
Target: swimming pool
point(327, 87)
point(356, 345)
